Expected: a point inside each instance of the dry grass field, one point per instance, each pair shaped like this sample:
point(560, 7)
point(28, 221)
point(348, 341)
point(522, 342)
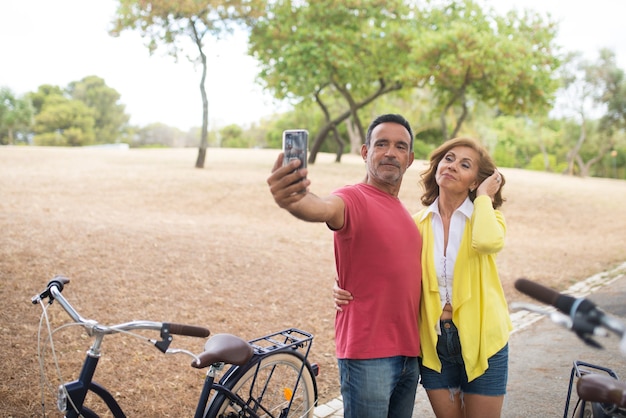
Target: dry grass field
point(142, 234)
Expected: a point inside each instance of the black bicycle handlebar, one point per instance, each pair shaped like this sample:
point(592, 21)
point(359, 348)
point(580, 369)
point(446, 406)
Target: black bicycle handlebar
point(585, 315)
point(595, 387)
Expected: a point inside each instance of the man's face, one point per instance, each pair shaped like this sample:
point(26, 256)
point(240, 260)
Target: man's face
point(389, 154)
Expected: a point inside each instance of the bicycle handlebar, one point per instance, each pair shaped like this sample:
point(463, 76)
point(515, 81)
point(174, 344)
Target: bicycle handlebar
point(53, 292)
point(584, 318)
point(594, 387)
point(585, 315)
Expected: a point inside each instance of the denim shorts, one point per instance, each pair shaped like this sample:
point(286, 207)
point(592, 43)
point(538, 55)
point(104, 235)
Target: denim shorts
point(376, 388)
point(453, 375)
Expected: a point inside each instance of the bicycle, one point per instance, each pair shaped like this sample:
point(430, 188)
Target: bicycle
point(269, 376)
point(600, 392)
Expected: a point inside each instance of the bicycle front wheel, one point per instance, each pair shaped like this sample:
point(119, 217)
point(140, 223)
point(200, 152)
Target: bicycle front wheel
point(267, 386)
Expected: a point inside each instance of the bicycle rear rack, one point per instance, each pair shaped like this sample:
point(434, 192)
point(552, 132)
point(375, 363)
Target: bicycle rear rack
point(290, 338)
point(580, 368)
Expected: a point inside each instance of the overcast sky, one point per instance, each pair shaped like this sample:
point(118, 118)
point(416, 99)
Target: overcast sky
point(59, 41)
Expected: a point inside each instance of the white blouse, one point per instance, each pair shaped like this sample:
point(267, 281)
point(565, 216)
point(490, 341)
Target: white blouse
point(446, 257)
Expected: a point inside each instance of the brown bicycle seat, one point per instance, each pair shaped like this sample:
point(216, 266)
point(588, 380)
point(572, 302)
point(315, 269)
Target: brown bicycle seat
point(599, 388)
point(226, 348)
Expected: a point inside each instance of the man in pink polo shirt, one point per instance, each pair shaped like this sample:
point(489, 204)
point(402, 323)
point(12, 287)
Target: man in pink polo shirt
point(377, 247)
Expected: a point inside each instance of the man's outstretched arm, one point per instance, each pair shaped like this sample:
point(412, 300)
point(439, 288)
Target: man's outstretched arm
point(289, 187)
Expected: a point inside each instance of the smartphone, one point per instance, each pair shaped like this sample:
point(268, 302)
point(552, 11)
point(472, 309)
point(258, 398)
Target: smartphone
point(295, 144)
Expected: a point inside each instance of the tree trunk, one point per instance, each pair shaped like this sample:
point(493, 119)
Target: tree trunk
point(460, 119)
point(459, 94)
point(324, 108)
point(353, 110)
point(585, 168)
point(204, 134)
point(573, 155)
point(340, 144)
point(542, 148)
point(355, 139)
point(323, 133)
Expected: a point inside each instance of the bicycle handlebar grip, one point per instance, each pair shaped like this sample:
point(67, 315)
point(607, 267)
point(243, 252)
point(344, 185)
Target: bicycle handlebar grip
point(563, 303)
point(537, 291)
point(189, 330)
point(598, 388)
point(59, 281)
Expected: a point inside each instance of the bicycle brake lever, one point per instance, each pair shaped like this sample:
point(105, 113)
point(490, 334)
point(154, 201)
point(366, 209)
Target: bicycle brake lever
point(166, 339)
point(586, 330)
point(589, 341)
point(58, 281)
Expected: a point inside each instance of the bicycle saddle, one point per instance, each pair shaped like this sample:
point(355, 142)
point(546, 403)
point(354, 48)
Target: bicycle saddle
point(598, 388)
point(224, 348)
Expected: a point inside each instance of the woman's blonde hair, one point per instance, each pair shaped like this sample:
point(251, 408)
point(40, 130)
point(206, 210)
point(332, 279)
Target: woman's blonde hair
point(486, 167)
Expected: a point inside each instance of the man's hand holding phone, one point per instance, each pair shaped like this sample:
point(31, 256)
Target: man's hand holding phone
point(295, 145)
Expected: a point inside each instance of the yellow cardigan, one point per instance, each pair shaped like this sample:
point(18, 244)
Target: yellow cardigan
point(480, 310)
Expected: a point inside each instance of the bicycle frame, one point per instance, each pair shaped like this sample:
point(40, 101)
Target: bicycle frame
point(75, 392)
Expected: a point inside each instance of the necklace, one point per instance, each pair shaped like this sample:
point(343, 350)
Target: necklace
point(443, 280)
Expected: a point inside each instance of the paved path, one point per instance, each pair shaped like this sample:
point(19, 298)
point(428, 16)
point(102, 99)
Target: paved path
point(542, 354)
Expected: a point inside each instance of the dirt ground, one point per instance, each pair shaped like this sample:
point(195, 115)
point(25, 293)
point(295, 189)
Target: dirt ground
point(142, 234)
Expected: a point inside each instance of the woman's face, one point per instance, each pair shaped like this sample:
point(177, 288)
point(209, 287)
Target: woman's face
point(457, 171)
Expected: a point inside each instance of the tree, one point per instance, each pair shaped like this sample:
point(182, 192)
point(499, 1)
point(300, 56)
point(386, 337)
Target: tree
point(340, 55)
point(84, 113)
point(64, 122)
point(159, 134)
point(591, 88)
point(16, 116)
point(475, 56)
point(232, 136)
point(110, 118)
point(39, 97)
point(173, 23)
point(611, 83)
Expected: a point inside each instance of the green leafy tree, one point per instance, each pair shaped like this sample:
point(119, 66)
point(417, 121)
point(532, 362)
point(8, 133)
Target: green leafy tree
point(474, 55)
point(591, 88)
point(43, 93)
point(64, 122)
point(340, 55)
point(611, 83)
point(159, 134)
point(232, 136)
point(173, 24)
point(110, 118)
point(16, 117)
point(538, 163)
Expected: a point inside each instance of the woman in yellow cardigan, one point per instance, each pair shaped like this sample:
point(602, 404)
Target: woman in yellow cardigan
point(464, 320)
point(464, 317)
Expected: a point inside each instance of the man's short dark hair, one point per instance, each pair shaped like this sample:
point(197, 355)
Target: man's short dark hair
point(389, 117)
